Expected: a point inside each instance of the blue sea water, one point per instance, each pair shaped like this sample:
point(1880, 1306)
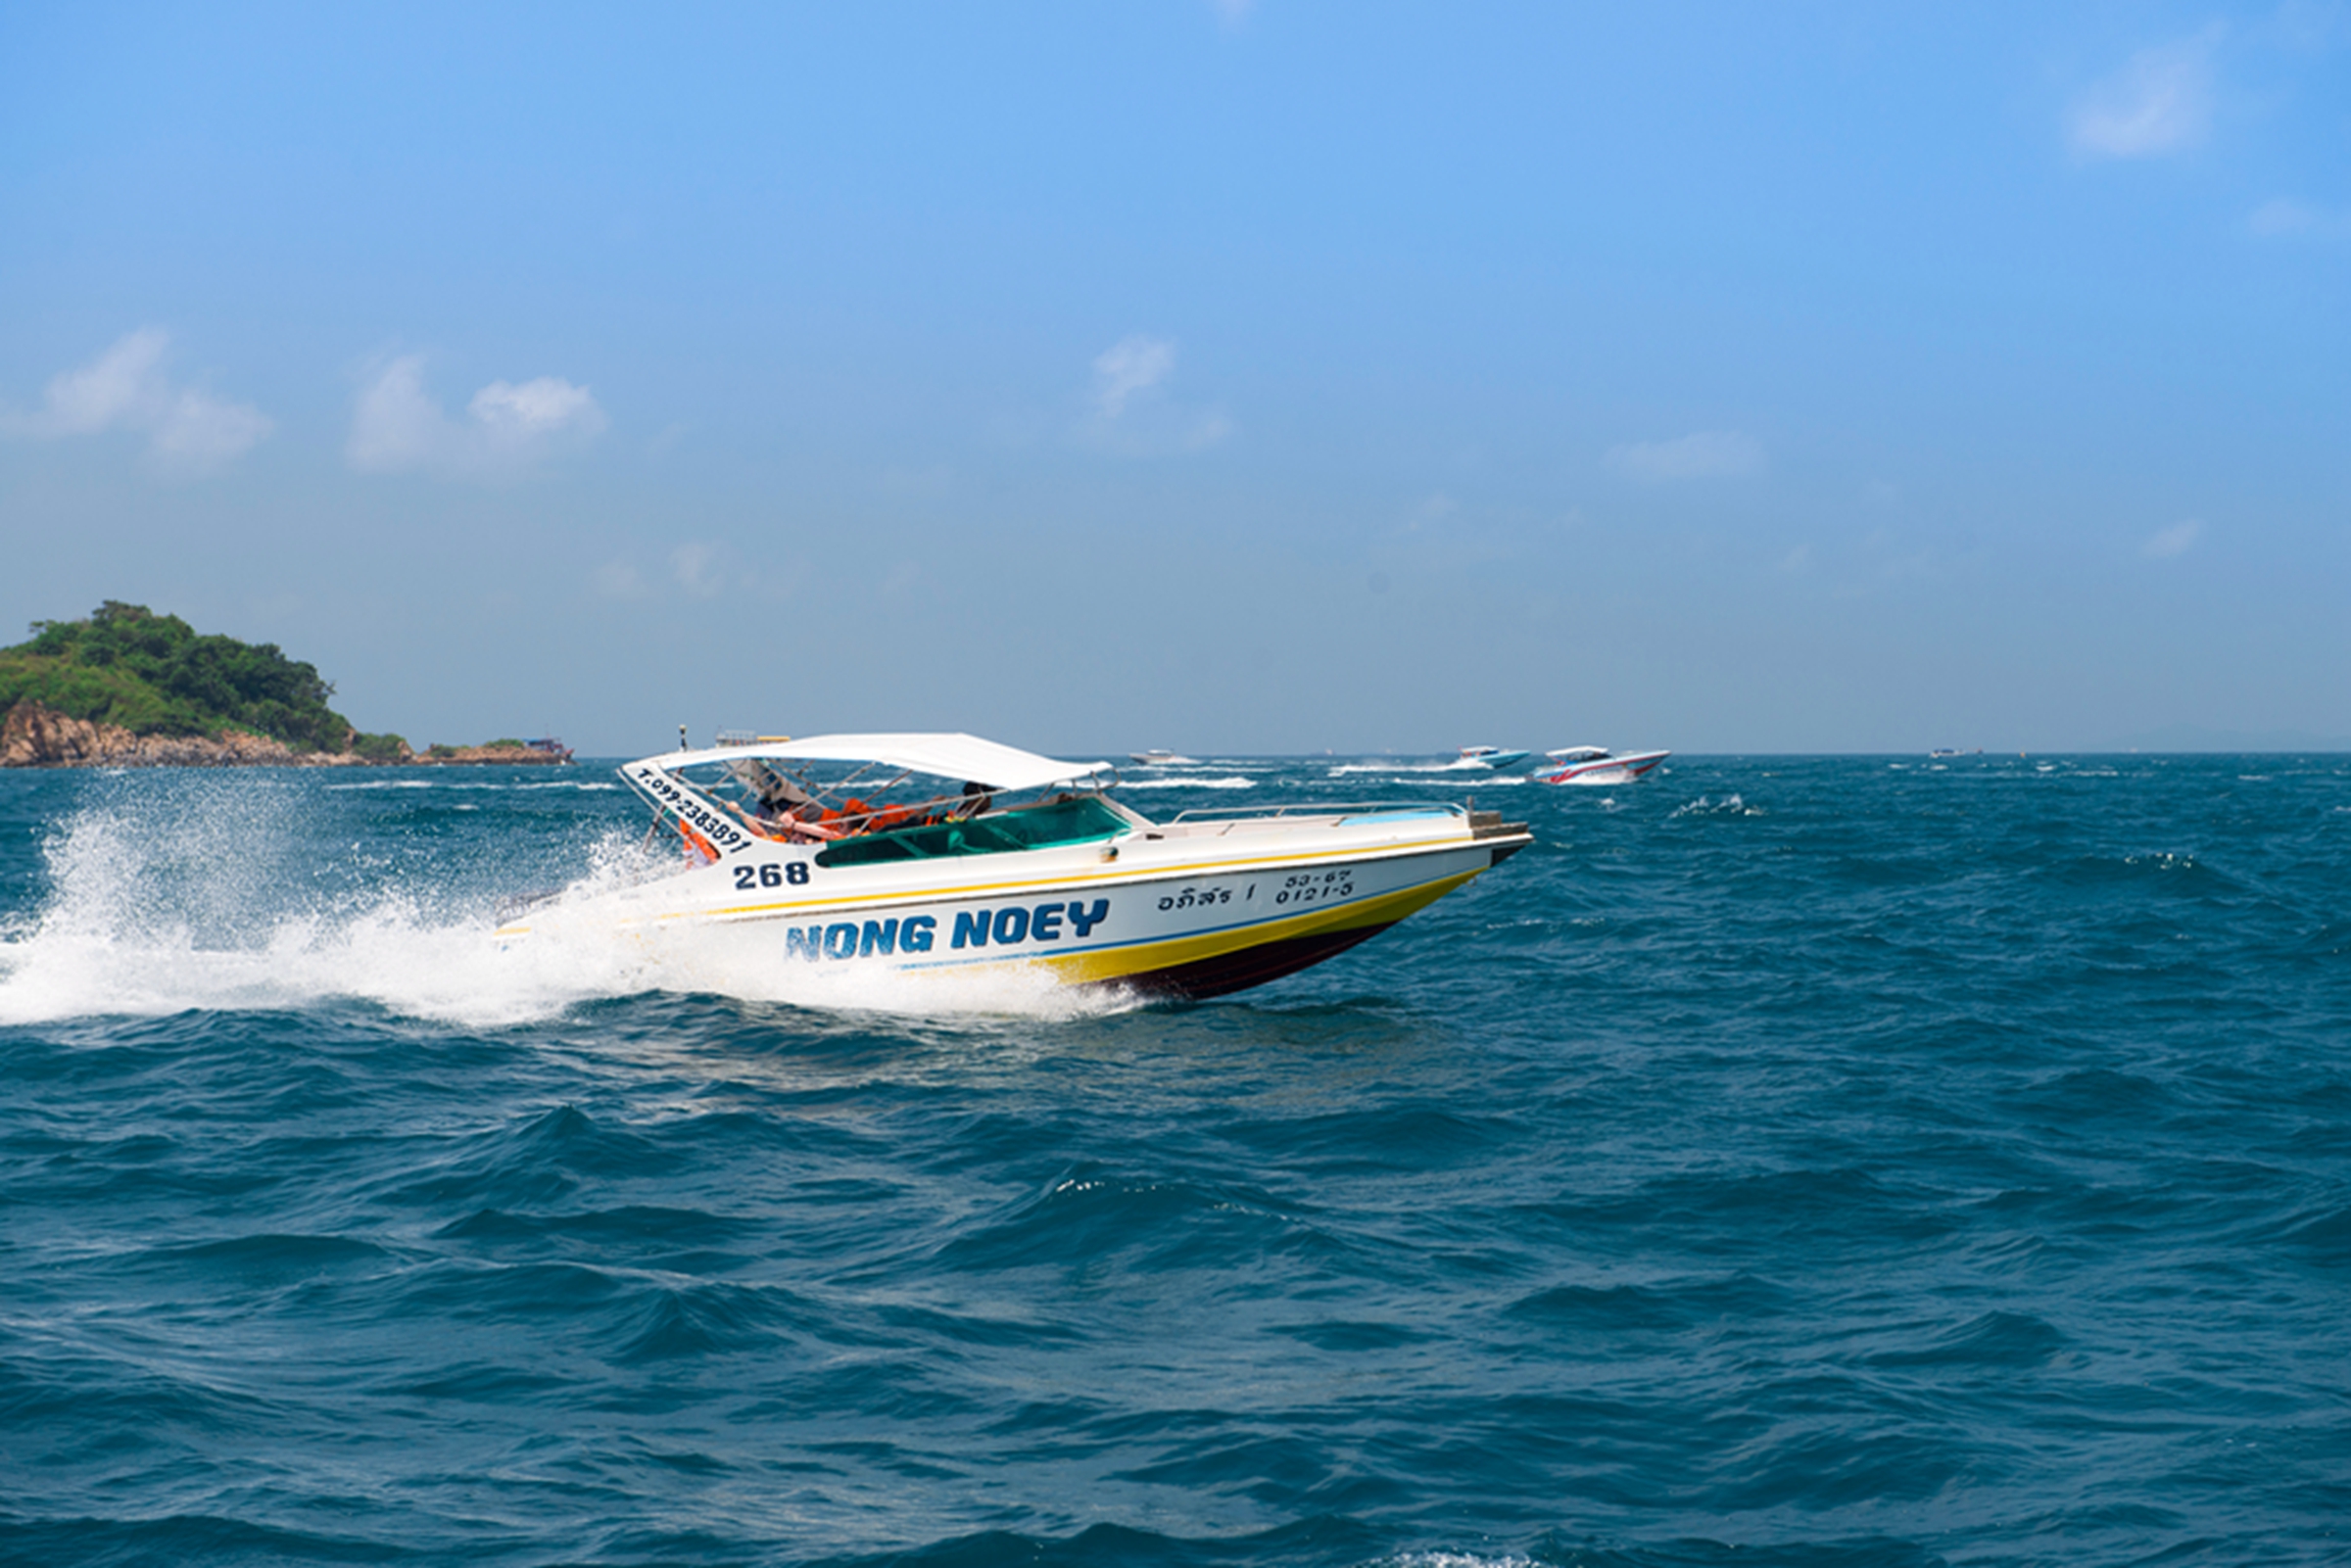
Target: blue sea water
point(1841, 1160)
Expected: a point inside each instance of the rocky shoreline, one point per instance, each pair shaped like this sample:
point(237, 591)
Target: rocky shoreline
point(37, 736)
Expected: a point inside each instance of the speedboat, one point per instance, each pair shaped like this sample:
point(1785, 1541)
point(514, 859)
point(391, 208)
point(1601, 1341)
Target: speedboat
point(1596, 765)
point(942, 852)
point(1161, 759)
point(1493, 758)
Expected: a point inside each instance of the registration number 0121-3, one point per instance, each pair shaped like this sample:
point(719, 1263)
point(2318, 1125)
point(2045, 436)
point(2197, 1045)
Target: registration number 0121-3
point(1315, 887)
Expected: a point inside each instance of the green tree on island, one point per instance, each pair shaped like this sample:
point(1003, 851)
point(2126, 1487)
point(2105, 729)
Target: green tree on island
point(154, 675)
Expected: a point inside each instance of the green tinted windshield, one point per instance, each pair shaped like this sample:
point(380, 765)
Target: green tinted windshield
point(1074, 820)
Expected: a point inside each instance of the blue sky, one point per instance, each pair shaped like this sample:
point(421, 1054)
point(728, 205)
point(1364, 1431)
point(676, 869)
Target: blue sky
point(1229, 378)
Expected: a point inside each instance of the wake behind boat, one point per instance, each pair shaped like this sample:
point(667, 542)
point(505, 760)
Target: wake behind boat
point(893, 851)
point(1596, 765)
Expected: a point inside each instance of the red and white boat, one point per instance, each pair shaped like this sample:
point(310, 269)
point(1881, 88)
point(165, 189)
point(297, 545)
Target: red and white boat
point(1596, 765)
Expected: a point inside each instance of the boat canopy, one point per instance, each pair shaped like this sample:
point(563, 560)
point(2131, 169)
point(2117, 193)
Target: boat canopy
point(947, 756)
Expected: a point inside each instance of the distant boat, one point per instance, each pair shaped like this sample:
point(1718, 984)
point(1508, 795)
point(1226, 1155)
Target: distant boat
point(1490, 757)
point(1598, 765)
point(1954, 751)
point(1162, 759)
point(547, 745)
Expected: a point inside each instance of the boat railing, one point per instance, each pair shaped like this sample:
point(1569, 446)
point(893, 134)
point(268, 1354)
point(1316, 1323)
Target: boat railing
point(823, 813)
point(830, 824)
point(1315, 808)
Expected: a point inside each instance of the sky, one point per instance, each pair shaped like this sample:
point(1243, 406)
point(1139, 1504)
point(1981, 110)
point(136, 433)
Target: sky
point(1235, 377)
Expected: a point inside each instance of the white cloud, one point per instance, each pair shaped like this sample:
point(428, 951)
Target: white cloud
point(1704, 455)
point(1205, 430)
point(396, 425)
point(126, 389)
point(698, 566)
point(545, 407)
point(695, 567)
point(2164, 543)
point(201, 432)
point(1128, 366)
point(619, 580)
point(1131, 415)
point(2159, 102)
point(2284, 217)
point(121, 386)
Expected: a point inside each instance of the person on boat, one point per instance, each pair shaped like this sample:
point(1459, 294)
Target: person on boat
point(975, 799)
point(786, 811)
point(777, 796)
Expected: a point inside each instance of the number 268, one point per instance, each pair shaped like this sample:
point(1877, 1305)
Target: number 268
point(770, 875)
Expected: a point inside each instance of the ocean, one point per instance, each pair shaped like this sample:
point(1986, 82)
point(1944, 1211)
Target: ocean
point(1786, 1160)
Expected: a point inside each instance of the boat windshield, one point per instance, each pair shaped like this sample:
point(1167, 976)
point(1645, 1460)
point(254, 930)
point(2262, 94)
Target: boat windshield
point(1065, 820)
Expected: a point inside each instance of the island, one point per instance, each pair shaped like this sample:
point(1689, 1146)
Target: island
point(124, 687)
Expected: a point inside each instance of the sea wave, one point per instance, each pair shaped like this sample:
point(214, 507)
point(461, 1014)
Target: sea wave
point(1788, 1164)
point(1707, 806)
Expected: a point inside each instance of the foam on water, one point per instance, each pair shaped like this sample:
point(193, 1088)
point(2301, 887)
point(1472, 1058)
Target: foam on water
point(206, 902)
point(206, 909)
point(1229, 781)
point(1458, 765)
point(1707, 806)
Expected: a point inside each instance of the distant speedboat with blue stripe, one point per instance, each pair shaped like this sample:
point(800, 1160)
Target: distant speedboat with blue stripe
point(947, 852)
point(1491, 758)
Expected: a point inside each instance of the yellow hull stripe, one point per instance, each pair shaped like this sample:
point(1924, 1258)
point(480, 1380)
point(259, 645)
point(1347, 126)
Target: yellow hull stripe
point(1104, 879)
point(1144, 958)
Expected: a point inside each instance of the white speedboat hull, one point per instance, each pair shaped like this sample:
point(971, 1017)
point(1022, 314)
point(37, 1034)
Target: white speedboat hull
point(1605, 770)
point(1189, 909)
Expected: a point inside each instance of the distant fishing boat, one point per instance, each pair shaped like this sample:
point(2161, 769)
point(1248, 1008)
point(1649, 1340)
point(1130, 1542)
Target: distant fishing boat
point(1161, 759)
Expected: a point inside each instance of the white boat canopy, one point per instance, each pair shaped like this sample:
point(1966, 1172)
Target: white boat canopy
point(947, 756)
